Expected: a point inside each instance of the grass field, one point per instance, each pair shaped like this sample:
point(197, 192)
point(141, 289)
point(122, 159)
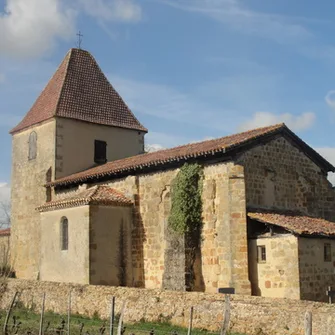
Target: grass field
point(24, 322)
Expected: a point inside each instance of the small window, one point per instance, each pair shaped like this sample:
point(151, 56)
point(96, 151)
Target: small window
point(100, 152)
point(261, 254)
point(327, 252)
point(64, 233)
point(32, 146)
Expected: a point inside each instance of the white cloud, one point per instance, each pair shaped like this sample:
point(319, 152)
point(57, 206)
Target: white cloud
point(153, 147)
point(330, 99)
point(295, 122)
point(112, 10)
point(31, 28)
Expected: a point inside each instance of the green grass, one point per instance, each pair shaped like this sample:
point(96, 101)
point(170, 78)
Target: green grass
point(57, 324)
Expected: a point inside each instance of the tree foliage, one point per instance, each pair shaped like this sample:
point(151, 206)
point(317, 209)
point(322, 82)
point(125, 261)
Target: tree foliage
point(186, 210)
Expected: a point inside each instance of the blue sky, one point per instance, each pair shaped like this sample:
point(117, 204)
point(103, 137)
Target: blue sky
point(189, 69)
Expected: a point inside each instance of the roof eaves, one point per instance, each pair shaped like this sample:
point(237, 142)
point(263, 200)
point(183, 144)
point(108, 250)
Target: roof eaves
point(80, 202)
point(158, 162)
point(136, 167)
point(241, 146)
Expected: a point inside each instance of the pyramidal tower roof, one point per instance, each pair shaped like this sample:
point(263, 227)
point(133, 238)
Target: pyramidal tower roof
point(79, 90)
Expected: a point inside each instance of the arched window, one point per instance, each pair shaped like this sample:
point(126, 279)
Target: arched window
point(64, 233)
point(32, 145)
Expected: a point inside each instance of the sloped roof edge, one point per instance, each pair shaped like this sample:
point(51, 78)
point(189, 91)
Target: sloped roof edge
point(80, 90)
point(96, 195)
point(296, 223)
point(163, 158)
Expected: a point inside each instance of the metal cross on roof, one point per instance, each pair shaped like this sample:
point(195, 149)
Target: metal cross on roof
point(79, 34)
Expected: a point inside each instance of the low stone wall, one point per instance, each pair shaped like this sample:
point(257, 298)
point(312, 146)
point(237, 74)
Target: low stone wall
point(250, 315)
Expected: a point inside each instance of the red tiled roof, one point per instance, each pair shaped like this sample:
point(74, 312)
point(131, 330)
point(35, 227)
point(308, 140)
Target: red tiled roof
point(297, 224)
point(97, 195)
point(223, 145)
point(5, 232)
point(79, 90)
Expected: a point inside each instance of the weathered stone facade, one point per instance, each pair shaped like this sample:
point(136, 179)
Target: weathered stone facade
point(278, 276)
point(315, 274)
point(267, 176)
point(74, 262)
point(280, 176)
point(27, 186)
point(58, 154)
point(99, 246)
point(77, 138)
point(224, 260)
point(79, 123)
point(249, 315)
point(4, 250)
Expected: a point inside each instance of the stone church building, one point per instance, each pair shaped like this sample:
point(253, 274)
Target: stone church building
point(89, 206)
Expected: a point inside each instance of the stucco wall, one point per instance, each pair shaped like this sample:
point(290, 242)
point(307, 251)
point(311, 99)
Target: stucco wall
point(315, 274)
point(76, 138)
point(278, 175)
point(4, 250)
point(28, 192)
point(278, 276)
point(70, 265)
point(249, 315)
point(110, 246)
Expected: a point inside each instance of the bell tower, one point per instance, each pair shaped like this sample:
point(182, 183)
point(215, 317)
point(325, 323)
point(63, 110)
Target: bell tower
point(78, 121)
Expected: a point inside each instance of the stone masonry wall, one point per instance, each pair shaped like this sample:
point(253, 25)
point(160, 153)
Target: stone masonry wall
point(76, 139)
point(4, 250)
point(110, 245)
point(249, 315)
point(223, 261)
point(316, 274)
point(278, 276)
point(28, 192)
point(224, 249)
point(280, 176)
point(224, 246)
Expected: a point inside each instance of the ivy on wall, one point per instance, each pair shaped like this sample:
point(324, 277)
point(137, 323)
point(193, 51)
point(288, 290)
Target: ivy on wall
point(186, 204)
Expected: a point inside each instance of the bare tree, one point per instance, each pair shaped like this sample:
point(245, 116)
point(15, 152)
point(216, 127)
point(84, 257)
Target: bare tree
point(6, 269)
point(4, 214)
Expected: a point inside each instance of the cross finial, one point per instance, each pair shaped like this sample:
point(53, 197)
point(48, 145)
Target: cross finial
point(79, 39)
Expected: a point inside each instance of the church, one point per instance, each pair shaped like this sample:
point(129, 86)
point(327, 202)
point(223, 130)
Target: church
point(89, 206)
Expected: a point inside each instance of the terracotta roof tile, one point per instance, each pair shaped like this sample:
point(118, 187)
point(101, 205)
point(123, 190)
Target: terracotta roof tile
point(97, 195)
point(162, 158)
point(79, 90)
point(297, 224)
point(5, 232)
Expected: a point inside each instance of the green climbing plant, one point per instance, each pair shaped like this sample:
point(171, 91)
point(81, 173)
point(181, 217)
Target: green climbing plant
point(186, 203)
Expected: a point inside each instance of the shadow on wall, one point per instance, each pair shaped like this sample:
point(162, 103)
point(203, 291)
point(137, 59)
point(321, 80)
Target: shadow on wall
point(138, 239)
point(253, 268)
